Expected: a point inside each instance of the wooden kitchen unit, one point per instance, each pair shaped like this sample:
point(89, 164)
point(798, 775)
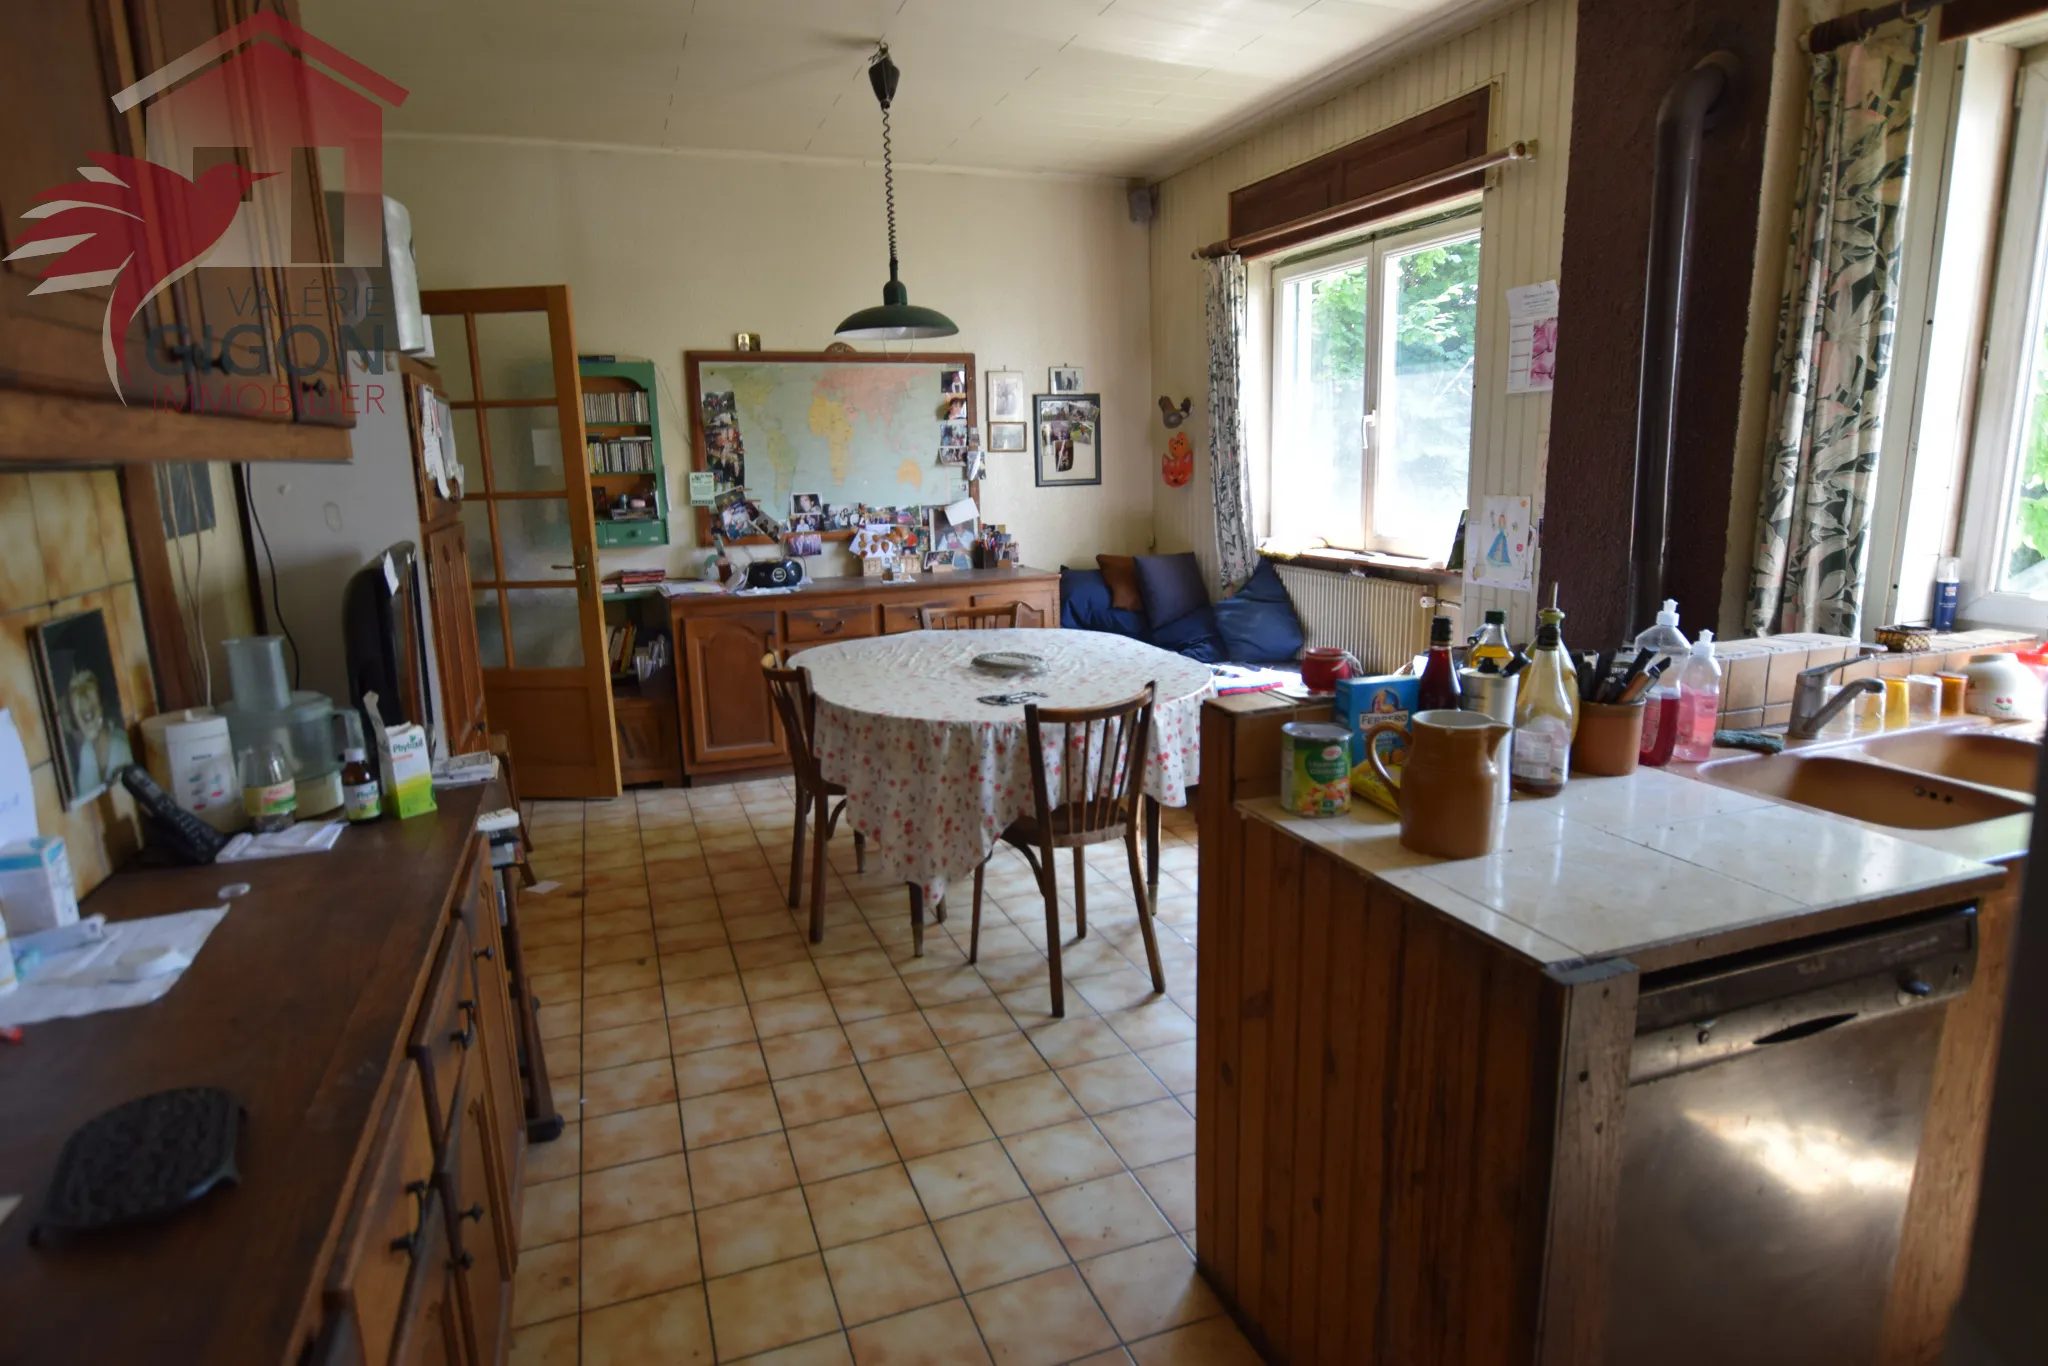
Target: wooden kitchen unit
point(1428, 1133)
point(368, 1010)
point(728, 717)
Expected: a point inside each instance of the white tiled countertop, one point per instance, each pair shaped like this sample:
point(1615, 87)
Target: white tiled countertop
point(1618, 867)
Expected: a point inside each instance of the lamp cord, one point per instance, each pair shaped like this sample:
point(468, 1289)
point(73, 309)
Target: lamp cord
point(889, 188)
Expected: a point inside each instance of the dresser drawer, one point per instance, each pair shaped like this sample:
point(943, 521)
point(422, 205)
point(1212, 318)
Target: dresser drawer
point(821, 624)
point(898, 617)
point(367, 1290)
point(446, 1029)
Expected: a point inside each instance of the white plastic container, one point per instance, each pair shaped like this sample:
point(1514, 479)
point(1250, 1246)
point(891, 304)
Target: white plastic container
point(191, 757)
point(36, 890)
point(2002, 688)
point(1672, 649)
point(1699, 703)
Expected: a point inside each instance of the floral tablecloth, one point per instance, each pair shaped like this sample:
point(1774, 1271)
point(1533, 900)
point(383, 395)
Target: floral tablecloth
point(933, 775)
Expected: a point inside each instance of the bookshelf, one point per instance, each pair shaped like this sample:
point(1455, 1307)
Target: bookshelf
point(622, 438)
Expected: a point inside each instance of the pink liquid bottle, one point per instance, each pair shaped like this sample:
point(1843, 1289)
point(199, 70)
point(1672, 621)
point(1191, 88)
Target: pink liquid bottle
point(1699, 702)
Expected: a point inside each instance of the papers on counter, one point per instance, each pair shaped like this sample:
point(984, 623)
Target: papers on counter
point(111, 972)
point(308, 837)
point(465, 770)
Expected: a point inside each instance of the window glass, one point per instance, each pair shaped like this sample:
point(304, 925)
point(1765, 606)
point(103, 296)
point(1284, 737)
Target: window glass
point(1319, 407)
point(2026, 539)
point(1424, 423)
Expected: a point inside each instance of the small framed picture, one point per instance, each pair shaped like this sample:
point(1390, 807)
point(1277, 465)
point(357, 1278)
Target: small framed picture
point(805, 543)
point(81, 697)
point(1008, 436)
point(952, 381)
point(1069, 439)
point(803, 503)
point(1005, 400)
point(1066, 379)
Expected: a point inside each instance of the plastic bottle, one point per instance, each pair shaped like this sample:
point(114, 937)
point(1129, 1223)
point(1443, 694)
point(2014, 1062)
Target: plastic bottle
point(1699, 702)
point(1660, 704)
point(1439, 685)
point(1490, 650)
point(270, 795)
point(1546, 714)
point(362, 797)
point(1948, 582)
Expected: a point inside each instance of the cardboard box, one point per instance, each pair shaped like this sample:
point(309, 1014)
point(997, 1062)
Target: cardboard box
point(1363, 702)
point(408, 772)
point(36, 890)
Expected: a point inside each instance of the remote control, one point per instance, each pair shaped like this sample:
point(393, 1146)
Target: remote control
point(190, 839)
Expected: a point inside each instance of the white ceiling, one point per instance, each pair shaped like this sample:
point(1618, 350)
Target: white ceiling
point(1114, 87)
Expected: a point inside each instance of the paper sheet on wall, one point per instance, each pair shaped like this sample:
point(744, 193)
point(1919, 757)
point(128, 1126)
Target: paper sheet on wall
point(17, 790)
point(1532, 338)
point(1499, 549)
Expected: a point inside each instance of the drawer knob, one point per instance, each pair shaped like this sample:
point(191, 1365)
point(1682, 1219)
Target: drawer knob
point(462, 1261)
point(488, 951)
point(475, 1213)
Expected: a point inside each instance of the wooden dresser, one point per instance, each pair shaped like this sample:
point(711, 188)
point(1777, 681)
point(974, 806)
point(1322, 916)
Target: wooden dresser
point(728, 718)
point(359, 1005)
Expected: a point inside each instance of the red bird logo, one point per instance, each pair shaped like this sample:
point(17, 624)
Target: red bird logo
point(134, 224)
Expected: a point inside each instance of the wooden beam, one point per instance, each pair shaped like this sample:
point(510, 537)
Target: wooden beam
point(170, 651)
point(51, 429)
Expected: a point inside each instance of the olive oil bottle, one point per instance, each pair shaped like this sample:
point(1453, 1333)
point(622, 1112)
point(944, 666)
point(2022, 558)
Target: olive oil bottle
point(1546, 715)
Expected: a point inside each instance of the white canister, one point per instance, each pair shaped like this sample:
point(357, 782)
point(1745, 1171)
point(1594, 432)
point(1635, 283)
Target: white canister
point(191, 757)
point(2002, 688)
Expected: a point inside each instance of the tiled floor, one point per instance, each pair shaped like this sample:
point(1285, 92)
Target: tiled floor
point(801, 1154)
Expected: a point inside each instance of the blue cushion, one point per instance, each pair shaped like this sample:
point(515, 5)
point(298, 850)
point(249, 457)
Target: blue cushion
point(1085, 606)
point(1172, 587)
point(1192, 634)
point(1257, 623)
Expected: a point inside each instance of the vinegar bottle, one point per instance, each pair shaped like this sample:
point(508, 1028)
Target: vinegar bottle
point(1546, 713)
point(1439, 685)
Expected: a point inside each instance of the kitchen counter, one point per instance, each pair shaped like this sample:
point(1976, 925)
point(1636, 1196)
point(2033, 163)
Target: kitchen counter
point(1654, 867)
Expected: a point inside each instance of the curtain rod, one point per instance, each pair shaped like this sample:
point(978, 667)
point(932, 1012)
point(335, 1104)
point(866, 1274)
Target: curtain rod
point(1514, 151)
point(1849, 28)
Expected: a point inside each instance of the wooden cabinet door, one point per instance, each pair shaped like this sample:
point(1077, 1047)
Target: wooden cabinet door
point(377, 1266)
point(59, 66)
point(475, 1205)
point(648, 747)
point(430, 1331)
point(498, 1048)
point(455, 649)
point(730, 716)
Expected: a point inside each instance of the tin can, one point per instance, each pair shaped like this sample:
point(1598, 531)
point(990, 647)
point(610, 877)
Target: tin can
point(1315, 768)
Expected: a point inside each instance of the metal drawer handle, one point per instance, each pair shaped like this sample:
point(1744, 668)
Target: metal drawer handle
point(410, 1243)
point(462, 1261)
point(466, 1035)
point(475, 1213)
point(487, 951)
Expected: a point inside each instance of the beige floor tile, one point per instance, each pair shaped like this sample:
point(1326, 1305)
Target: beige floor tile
point(1034, 1102)
point(832, 1350)
point(1104, 1215)
point(634, 975)
point(688, 937)
point(703, 993)
point(838, 1146)
point(890, 1036)
point(1033, 1004)
point(1062, 1155)
point(1148, 1134)
point(632, 1087)
point(694, 965)
point(755, 1232)
point(557, 986)
point(626, 1044)
point(621, 1008)
point(931, 1126)
point(550, 1212)
point(741, 1170)
point(1212, 1342)
point(1112, 1083)
point(794, 1014)
point(632, 1194)
point(1173, 1064)
point(720, 1069)
point(630, 1136)
point(1000, 1057)
point(941, 1334)
point(863, 965)
point(772, 1306)
point(615, 924)
point(1041, 1320)
point(553, 960)
point(1115, 1356)
point(965, 1020)
point(545, 1285)
point(946, 987)
point(640, 1259)
point(1171, 1185)
point(1001, 1243)
point(814, 1050)
point(865, 1000)
point(559, 1157)
point(710, 1029)
point(878, 1277)
point(864, 1204)
point(911, 1076)
point(669, 1327)
point(546, 1344)
point(726, 1115)
point(964, 1179)
point(1152, 1025)
point(822, 1096)
point(786, 979)
point(1150, 1288)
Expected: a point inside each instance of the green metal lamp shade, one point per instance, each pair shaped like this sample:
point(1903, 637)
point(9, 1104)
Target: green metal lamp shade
point(896, 319)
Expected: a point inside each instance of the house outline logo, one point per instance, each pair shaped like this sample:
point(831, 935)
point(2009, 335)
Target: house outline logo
point(251, 100)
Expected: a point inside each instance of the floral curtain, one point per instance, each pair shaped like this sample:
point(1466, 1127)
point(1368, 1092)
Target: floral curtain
point(1229, 476)
point(1833, 362)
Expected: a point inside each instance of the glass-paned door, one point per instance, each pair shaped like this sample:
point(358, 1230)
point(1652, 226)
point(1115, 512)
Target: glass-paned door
point(508, 360)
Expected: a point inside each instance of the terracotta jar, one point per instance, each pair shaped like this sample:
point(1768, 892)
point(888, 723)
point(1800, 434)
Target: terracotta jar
point(1446, 790)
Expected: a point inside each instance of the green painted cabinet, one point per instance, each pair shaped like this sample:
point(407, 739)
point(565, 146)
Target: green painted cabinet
point(622, 450)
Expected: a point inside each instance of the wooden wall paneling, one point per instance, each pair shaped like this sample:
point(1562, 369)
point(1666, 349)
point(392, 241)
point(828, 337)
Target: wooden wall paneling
point(1221, 831)
point(1504, 1242)
point(1291, 888)
point(1255, 1005)
point(1407, 1298)
point(1941, 1211)
point(1353, 1254)
point(1301, 1231)
point(156, 584)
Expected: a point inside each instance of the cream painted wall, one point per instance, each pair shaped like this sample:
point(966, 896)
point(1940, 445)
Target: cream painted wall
point(670, 252)
point(1526, 54)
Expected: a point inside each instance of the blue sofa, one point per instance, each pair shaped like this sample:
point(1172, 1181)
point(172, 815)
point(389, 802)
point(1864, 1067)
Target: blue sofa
point(1256, 625)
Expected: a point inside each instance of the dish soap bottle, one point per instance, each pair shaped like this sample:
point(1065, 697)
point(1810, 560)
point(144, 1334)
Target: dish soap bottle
point(1439, 686)
point(1551, 616)
point(1490, 650)
point(270, 795)
point(1660, 705)
point(1546, 714)
point(1699, 703)
point(361, 795)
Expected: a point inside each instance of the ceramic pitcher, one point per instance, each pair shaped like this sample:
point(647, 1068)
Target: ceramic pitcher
point(1446, 790)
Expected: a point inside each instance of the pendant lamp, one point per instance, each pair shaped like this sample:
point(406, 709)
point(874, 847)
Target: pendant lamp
point(896, 319)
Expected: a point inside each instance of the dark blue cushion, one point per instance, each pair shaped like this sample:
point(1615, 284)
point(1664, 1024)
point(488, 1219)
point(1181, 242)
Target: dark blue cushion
point(1085, 606)
point(1172, 587)
point(1193, 634)
point(1257, 623)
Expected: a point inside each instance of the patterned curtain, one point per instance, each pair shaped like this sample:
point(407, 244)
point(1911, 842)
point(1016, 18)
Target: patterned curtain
point(1229, 476)
point(1833, 363)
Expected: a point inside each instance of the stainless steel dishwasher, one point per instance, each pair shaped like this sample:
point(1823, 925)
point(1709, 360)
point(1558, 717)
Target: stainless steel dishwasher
point(1773, 1122)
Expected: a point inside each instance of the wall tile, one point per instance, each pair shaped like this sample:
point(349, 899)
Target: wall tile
point(1742, 682)
point(68, 522)
point(22, 582)
point(1748, 719)
point(1783, 673)
point(113, 519)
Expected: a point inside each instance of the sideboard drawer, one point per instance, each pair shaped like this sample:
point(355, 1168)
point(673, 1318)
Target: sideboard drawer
point(903, 616)
point(376, 1260)
point(818, 625)
point(446, 1029)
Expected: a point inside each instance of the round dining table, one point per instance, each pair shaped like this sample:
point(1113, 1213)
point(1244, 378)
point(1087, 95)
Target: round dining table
point(934, 761)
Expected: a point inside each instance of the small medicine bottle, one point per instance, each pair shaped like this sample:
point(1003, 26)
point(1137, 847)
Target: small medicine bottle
point(361, 796)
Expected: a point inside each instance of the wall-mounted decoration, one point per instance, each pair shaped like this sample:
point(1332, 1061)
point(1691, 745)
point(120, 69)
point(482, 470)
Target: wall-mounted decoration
point(1171, 415)
point(1005, 437)
point(1065, 379)
point(746, 341)
point(1499, 551)
point(81, 696)
point(1005, 398)
point(1178, 464)
point(1069, 438)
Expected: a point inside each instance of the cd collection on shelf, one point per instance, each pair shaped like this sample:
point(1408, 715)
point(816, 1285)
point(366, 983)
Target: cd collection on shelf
point(607, 408)
point(624, 455)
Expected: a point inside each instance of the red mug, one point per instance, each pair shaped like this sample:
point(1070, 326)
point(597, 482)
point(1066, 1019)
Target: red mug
point(1323, 665)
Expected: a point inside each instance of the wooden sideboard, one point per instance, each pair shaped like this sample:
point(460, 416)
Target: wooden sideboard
point(728, 718)
point(365, 1008)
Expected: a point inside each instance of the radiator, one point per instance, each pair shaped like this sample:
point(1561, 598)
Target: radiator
point(1384, 622)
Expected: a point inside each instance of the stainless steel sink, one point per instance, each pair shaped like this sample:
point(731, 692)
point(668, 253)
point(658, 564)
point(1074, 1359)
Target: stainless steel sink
point(1879, 793)
point(1999, 761)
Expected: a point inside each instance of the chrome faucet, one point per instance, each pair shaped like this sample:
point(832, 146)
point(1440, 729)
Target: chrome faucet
point(1809, 711)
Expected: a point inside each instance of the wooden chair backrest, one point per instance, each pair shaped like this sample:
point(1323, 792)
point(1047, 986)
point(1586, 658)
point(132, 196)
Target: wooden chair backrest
point(798, 707)
point(986, 618)
point(1103, 753)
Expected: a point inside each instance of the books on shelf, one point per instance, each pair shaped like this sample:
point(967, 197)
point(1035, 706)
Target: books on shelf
point(608, 407)
point(635, 578)
point(625, 455)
